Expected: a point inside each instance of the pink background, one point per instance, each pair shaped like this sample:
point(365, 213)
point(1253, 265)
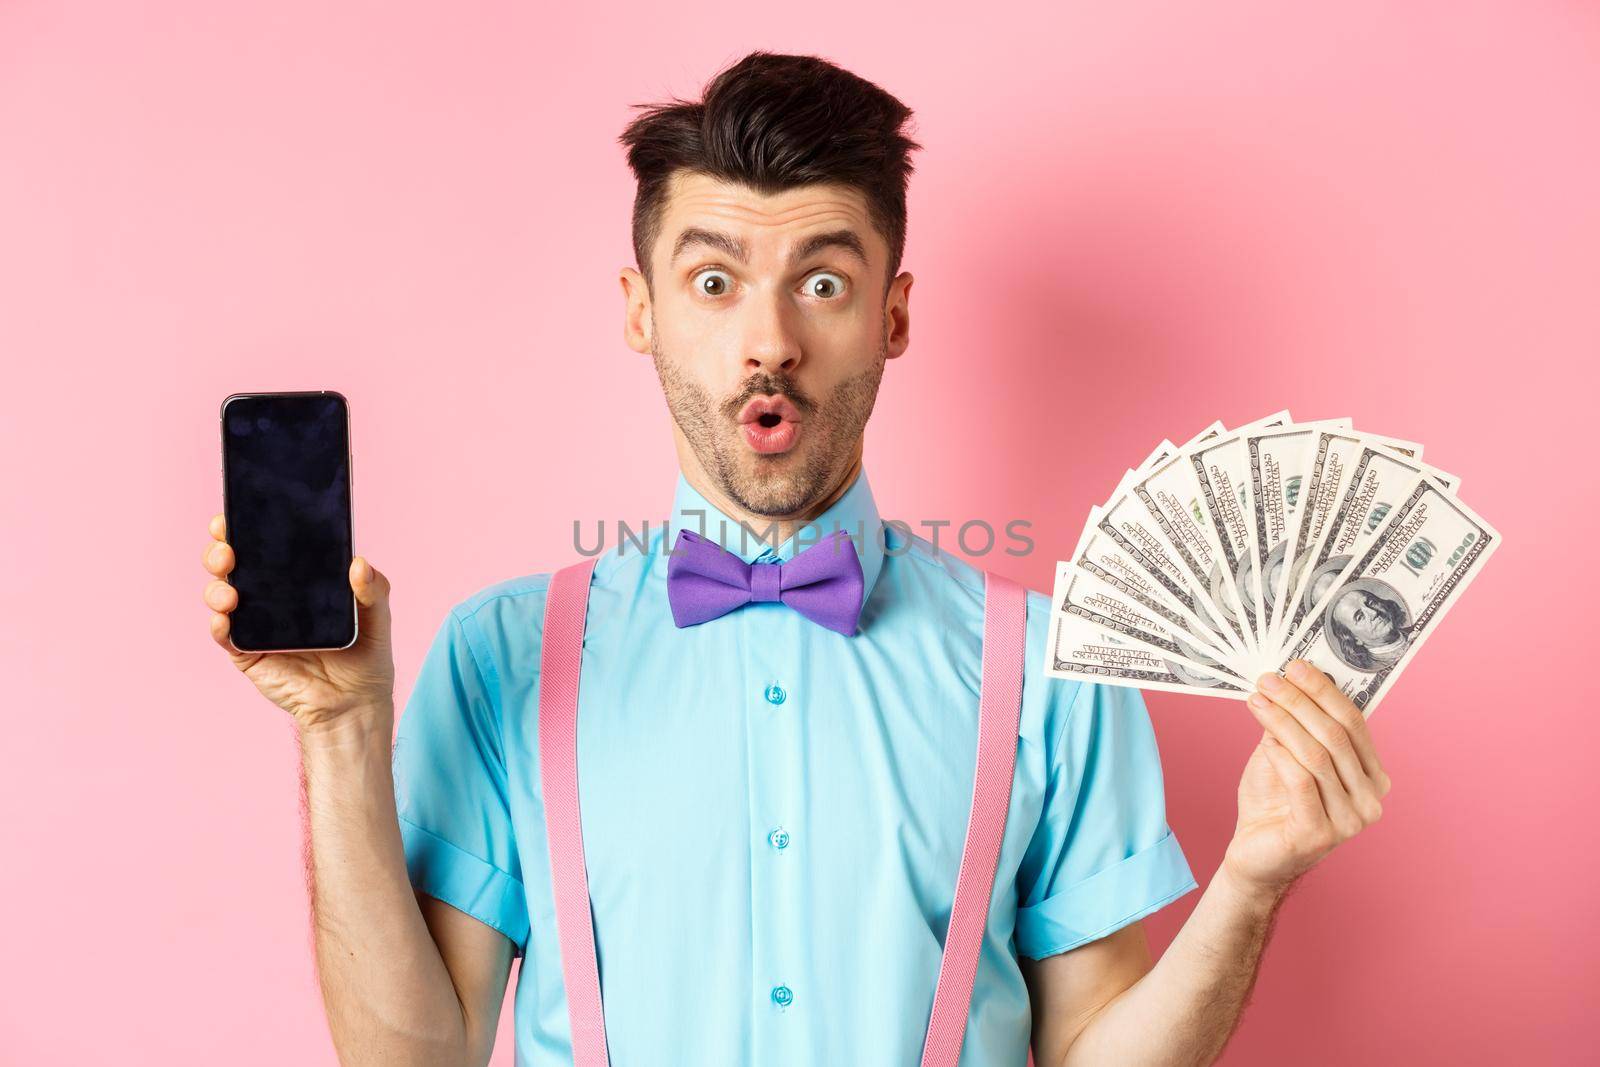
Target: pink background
point(1129, 219)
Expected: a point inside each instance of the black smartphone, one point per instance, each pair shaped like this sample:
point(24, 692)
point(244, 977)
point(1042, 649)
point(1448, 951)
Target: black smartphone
point(287, 490)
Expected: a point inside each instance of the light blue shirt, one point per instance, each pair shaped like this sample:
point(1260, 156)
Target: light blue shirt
point(773, 813)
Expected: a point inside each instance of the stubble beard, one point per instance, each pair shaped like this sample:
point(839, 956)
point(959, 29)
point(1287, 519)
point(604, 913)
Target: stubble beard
point(772, 485)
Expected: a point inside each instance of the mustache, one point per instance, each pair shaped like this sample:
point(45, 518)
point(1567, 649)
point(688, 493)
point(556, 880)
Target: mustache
point(765, 384)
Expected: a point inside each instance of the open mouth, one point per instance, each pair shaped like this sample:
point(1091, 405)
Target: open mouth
point(771, 424)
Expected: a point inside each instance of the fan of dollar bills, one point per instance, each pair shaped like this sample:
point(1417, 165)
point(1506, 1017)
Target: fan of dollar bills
point(1226, 557)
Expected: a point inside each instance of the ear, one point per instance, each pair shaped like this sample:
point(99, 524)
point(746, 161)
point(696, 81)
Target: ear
point(637, 321)
point(897, 315)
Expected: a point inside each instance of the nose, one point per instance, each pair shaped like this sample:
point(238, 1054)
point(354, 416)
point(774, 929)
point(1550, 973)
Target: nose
point(770, 343)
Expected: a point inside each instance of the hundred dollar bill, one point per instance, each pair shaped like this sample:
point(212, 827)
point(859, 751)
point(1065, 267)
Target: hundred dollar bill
point(1136, 533)
point(1172, 497)
point(1396, 590)
point(1323, 485)
point(1100, 556)
point(1086, 597)
point(1077, 650)
point(1219, 468)
point(1276, 459)
point(1376, 480)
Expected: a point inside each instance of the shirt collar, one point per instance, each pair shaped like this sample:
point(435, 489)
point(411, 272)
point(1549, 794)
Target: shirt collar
point(855, 512)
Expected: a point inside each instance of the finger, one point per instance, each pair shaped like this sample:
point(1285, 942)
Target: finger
point(220, 596)
point(218, 558)
point(1305, 798)
point(1320, 688)
point(1310, 754)
point(1331, 735)
point(371, 587)
point(218, 527)
point(221, 626)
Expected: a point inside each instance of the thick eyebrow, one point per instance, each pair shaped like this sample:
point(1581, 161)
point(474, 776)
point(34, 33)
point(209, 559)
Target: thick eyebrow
point(844, 240)
point(735, 248)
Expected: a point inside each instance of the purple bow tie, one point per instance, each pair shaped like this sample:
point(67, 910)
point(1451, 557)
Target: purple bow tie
point(823, 583)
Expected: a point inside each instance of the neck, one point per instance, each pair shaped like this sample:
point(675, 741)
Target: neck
point(784, 525)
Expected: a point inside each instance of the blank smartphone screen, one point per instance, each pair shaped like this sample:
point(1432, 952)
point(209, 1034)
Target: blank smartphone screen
point(286, 485)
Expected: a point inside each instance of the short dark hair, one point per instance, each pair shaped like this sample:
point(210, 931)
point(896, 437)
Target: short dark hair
point(773, 122)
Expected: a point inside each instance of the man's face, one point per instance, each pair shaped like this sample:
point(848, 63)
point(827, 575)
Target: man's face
point(769, 328)
point(1365, 616)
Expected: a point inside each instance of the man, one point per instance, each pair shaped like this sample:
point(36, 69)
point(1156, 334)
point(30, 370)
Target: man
point(773, 807)
point(1367, 624)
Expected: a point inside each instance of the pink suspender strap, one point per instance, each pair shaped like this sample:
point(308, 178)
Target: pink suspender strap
point(1005, 606)
point(999, 706)
point(560, 655)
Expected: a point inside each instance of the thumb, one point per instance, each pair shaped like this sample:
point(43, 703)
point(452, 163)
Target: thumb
point(371, 588)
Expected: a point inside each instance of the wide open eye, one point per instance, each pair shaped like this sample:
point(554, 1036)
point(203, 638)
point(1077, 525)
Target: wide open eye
point(712, 282)
point(825, 285)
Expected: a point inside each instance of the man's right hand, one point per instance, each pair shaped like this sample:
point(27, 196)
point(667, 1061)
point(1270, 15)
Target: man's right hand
point(319, 687)
point(405, 978)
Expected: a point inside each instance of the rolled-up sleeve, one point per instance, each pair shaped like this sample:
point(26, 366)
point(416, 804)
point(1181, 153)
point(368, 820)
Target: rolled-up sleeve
point(450, 788)
point(1102, 855)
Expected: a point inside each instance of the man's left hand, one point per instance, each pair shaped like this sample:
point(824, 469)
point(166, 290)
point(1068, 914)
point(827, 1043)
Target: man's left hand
point(1313, 781)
